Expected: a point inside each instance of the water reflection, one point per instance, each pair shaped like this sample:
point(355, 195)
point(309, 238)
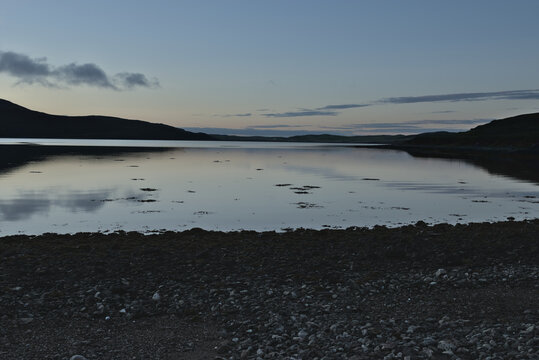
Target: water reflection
point(13, 156)
point(522, 166)
point(67, 189)
point(28, 203)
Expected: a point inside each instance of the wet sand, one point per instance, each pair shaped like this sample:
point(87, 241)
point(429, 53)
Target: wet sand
point(440, 292)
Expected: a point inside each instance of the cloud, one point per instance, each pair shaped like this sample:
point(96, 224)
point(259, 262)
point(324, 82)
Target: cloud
point(478, 96)
point(277, 126)
point(342, 106)
point(330, 110)
point(30, 71)
point(409, 127)
point(131, 80)
point(235, 115)
point(303, 112)
point(87, 74)
point(448, 122)
point(250, 131)
point(21, 65)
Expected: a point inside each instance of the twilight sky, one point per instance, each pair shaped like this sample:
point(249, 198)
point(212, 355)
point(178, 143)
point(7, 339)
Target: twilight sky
point(275, 67)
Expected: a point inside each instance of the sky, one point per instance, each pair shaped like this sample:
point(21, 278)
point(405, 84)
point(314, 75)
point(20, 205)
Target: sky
point(275, 67)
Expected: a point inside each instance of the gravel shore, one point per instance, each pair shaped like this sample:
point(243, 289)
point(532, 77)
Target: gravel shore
point(415, 292)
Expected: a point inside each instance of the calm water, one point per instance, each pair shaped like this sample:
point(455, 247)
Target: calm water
point(232, 186)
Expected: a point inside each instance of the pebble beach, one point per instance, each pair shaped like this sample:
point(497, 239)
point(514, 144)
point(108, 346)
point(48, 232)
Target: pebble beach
point(413, 292)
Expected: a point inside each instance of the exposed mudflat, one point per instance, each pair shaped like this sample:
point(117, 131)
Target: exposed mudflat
point(440, 292)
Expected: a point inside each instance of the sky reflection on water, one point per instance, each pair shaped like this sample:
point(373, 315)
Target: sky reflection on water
point(235, 187)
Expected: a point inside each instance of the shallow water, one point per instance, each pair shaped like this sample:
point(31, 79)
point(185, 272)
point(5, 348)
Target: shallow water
point(233, 186)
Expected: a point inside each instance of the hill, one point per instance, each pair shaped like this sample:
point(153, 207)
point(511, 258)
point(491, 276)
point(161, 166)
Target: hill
point(322, 138)
point(518, 132)
point(19, 122)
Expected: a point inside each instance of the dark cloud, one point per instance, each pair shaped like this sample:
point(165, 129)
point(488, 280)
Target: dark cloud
point(448, 122)
point(87, 74)
point(277, 126)
point(410, 127)
point(29, 71)
point(479, 96)
point(301, 113)
point(330, 110)
point(234, 115)
point(131, 80)
point(250, 131)
point(22, 66)
point(342, 106)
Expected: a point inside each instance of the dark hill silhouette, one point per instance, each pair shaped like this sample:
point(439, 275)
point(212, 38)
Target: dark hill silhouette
point(19, 122)
point(517, 132)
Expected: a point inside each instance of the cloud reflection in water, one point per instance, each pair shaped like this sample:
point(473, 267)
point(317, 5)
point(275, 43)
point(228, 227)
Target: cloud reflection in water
point(27, 204)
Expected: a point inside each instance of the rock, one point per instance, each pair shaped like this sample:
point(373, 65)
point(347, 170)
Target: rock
point(440, 272)
point(245, 354)
point(528, 330)
point(156, 296)
point(26, 320)
point(446, 346)
point(77, 357)
point(428, 352)
point(428, 341)
point(411, 329)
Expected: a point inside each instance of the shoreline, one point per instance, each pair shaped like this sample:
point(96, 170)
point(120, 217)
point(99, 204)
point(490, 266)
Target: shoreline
point(417, 291)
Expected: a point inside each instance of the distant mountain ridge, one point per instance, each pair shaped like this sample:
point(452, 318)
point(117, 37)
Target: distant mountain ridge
point(518, 132)
point(19, 122)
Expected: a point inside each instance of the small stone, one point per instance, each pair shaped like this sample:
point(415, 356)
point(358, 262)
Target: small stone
point(156, 297)
point(529, 329)
point(440, 272)
point(411, 329)
point(428, 352)
point(446, 346)
point(77, 357)
point(26, 320)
